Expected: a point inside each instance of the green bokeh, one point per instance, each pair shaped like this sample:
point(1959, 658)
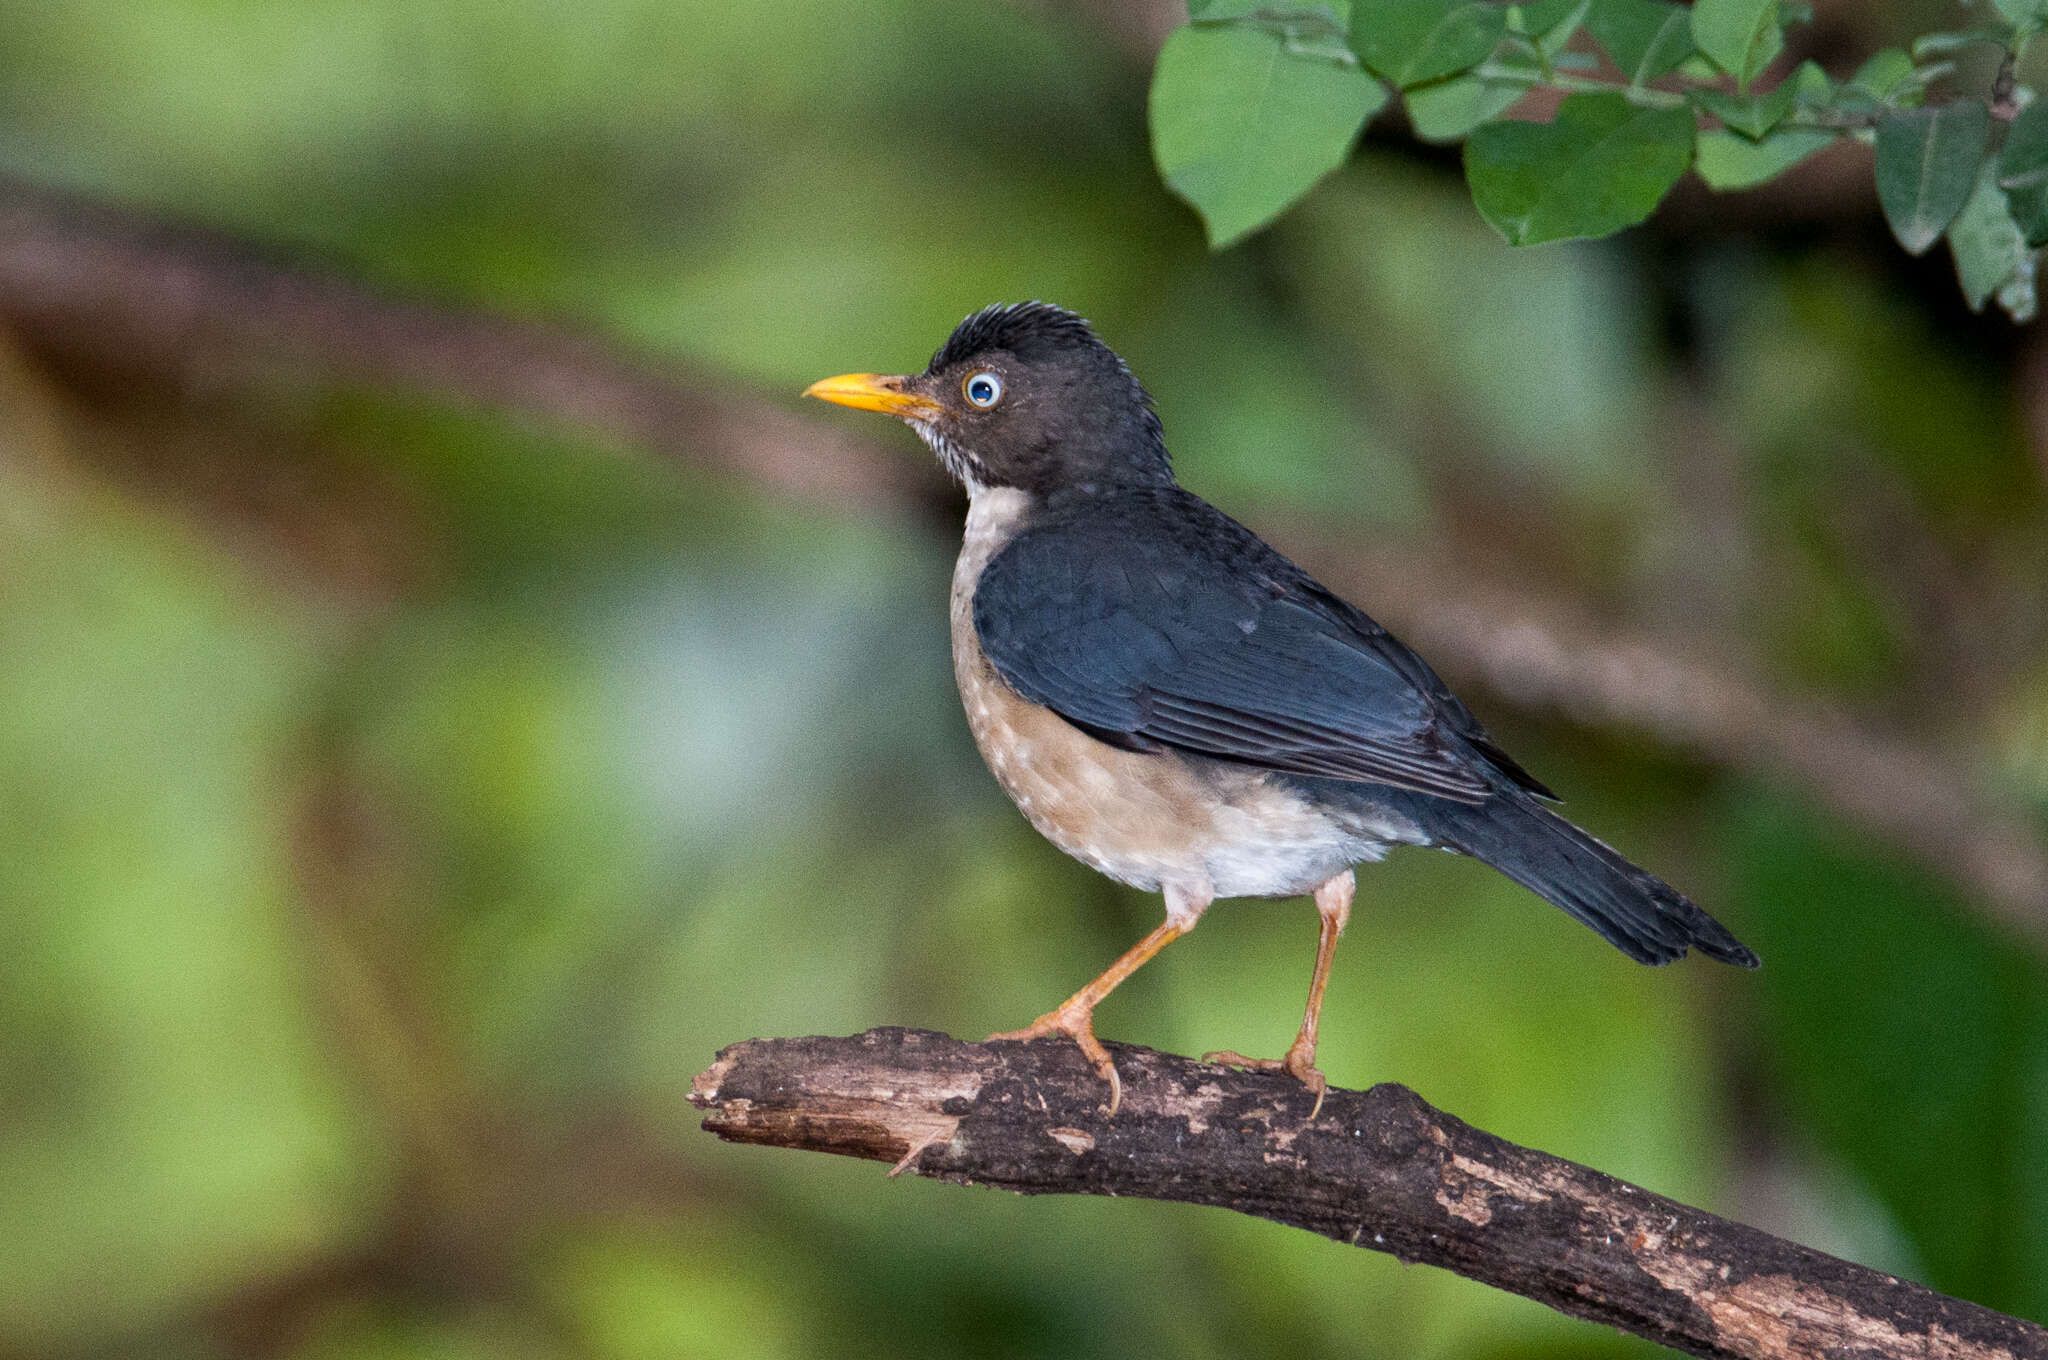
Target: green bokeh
point(399, 804)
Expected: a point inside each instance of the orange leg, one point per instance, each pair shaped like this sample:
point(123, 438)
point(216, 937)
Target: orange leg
point(1333, 906)
point(1075, 1017)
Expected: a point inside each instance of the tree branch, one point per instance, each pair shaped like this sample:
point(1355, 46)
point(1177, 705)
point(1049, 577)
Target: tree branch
point(1380, 1169)
point(106, 288)
point(1540, 654)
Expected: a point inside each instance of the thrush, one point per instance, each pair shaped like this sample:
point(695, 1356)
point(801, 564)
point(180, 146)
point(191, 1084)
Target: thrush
point(1171, 701)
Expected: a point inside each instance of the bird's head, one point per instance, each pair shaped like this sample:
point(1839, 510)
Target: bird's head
point(1025, 396)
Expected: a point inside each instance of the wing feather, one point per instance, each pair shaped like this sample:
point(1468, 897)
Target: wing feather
point(1157, 619)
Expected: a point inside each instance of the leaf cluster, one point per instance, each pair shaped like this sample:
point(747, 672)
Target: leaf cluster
point(1253, 102)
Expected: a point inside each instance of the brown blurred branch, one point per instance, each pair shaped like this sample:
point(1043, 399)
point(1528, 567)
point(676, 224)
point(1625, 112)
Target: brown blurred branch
point(1380, 1169)
point(110, 290)
point(1539, 654)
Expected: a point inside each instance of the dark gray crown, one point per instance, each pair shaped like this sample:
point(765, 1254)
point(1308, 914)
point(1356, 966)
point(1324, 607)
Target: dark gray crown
point(1029, 330)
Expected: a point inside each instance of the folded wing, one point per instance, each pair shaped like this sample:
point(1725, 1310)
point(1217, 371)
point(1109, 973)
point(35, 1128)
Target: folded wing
point(1153, 619)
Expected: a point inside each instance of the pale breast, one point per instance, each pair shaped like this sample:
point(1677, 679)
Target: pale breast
point(1146, 819)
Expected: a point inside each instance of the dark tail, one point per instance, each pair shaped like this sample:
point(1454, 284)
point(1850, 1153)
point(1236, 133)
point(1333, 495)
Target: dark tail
point(1635, 911)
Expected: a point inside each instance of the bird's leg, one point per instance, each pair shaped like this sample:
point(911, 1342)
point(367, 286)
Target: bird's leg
point(1075, 1017)
point(1333, 907)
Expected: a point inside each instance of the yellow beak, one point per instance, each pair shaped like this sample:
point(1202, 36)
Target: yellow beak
point(874, 392)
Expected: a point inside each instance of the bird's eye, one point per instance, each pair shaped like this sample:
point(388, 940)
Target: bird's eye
point(983, 388)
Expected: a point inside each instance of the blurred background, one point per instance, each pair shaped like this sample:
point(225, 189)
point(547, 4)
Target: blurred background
point(449, 685)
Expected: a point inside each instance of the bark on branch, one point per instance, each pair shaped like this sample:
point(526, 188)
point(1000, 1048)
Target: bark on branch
point(1380, 1169)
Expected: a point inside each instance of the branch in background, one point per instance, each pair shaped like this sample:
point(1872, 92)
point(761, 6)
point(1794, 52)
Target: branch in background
point(112, 289)
point(109, 289)
point(1380, 1169)
point(1538, 655)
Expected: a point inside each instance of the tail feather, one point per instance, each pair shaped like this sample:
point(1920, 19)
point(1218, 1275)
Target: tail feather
point(1632, 909)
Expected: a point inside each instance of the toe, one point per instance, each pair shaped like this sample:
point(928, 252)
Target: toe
point(1301, 1066)
point(1315, 1081)
point(1225, 1057)
point(1078, 1026)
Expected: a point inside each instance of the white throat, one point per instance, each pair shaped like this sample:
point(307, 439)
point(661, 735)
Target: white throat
point(949, 454)
point(994, 513)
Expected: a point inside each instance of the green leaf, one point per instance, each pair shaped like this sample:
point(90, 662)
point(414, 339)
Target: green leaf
point(1742, 36)
point(1697, 67)
point(1919, 1013)
point(1885, 71)
point(1410, 41)
point(2020, 297)
point(1991, 252)
point(1332, 14)
point(2024, 159)
point(1912, 91)
point(1751, 115)
point(1926, 167)
point(1447, 110)
point(2028, 205)
point(1318, 30)
point(1942, 44)
point(1726, 160)
point(1646, 38)
point(1811, 86)
point(1553, 36)
point(2023, 172)
point(1242, 127)
point(1541, 16)
point(1601, 165)
point(2024, 14)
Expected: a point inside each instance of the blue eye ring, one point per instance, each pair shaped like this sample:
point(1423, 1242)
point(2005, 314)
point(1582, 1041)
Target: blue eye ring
point(982, 388)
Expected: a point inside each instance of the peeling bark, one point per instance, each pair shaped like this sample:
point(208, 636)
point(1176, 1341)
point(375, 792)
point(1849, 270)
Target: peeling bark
point(1381, 1169)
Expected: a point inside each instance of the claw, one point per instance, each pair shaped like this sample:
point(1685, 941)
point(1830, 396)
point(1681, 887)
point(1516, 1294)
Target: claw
point(1078, 1024)
point(1075, 1017)
point(1299, 1064)
point(1315, 1081)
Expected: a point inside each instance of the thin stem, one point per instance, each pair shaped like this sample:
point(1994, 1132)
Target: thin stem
point(2003, 85)
point(1829, 121)
point(1570, 84)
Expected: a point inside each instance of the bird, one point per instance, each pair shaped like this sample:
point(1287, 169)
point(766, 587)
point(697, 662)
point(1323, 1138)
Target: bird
point(1171, 701)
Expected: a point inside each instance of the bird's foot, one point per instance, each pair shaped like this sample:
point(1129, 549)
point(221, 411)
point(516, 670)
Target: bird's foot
point(1300, 1063)
point(1078, 1024)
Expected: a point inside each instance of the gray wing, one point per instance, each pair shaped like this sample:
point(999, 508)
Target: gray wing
point(1156, 620)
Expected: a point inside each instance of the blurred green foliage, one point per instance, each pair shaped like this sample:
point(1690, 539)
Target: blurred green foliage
point(399, 805)
point(1253, 104)
point(1943, 1030)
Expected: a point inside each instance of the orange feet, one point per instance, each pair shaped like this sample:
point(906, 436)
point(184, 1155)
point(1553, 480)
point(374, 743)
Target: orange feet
point(1300, 1063)
point(1075, 1017)
point(1077, 1023)
point(1333, 907)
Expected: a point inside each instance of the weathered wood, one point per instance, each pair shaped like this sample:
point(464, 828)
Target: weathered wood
point(1381, 1169)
